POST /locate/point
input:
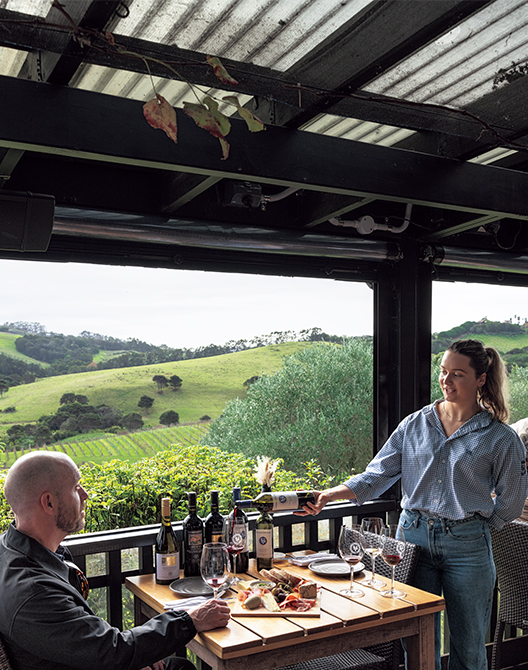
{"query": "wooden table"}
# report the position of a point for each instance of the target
(344, 624)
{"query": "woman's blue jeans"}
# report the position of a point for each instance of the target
(456, 561)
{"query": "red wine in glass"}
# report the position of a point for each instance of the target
(392, 552)
(351, 548)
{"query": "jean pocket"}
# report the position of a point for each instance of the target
(409, 519)
(467, 532)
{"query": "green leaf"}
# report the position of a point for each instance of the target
(254, 124)
(220, 71)
(209, 118)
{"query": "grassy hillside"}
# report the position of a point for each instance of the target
(208, 383)
(7, 347)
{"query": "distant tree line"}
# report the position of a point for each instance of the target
(73, 417)
(68, 354)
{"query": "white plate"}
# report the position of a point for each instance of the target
(278, 556)
(333, 567)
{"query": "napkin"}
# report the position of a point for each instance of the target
(186, 603)
(303, 561)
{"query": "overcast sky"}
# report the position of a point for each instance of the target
(189, 309)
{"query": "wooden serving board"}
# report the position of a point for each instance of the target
(238, 610)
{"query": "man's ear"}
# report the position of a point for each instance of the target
(46, 502)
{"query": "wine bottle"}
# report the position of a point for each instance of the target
(214, 523)
(238, 514)
(278, 501)
(193, 539)
(264, 537)
(167, 548)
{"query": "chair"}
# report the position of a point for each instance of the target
(4, 661)
(384, 656)
(510, 549)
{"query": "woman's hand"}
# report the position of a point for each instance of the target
(312, 509)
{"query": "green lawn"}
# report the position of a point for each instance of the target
(208, 383)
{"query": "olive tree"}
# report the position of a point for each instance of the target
(319, 405)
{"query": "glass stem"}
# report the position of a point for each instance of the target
(392, 585)
(373, 568)
(351, 577)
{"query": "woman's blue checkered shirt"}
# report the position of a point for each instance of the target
(452, 477)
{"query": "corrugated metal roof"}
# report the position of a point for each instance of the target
(456, 69)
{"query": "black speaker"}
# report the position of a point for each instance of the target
(26, 221)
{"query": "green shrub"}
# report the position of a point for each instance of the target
(319, 405)
(124, 494)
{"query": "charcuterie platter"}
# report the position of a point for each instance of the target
(278, 593)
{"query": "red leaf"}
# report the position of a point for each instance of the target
(220, 71)
(210, 119)
(160, 114)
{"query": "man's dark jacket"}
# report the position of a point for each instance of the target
(47, 625)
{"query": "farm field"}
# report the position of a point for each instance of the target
(127, 447)
(208, 383)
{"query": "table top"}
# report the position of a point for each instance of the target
(339, 614)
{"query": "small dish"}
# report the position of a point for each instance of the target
(279, 557)
(333, 567)
(190, 586)
(263, 583)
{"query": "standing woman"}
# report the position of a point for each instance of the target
(451, 456)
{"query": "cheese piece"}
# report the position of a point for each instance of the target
(308, 590)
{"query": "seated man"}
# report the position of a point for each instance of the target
(45, 622)
(521, 428)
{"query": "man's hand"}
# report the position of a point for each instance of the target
(158, 665)
(214, 613)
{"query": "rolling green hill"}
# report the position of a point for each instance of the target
(208, 383)
(7, 347)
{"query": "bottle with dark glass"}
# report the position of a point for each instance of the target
(264, 537)
(193, 539)
(238, 515)
(276, 501)
(167, 548)
(214, 522)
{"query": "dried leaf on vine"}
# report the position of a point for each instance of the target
(220, 71)
(254, 124)
(160, 114)
(209, 118)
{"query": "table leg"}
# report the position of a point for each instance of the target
(421, 647)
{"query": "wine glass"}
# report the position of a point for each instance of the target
(237, 536)
(214, 565)
(392, 552)
(371, 528)
(351, 547)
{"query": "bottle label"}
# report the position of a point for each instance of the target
(168, 566)
(239, 529)
(194, 543)
(285, 500)
(217, 537)
(264, 543)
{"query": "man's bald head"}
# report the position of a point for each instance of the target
(32, 475)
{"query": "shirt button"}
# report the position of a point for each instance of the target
(443, 460)
(435, 501)
(439, 481)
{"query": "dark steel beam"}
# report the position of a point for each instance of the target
(82, 124)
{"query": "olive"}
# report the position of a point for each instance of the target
(253, 602)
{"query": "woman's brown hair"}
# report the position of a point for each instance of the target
(493, 395)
